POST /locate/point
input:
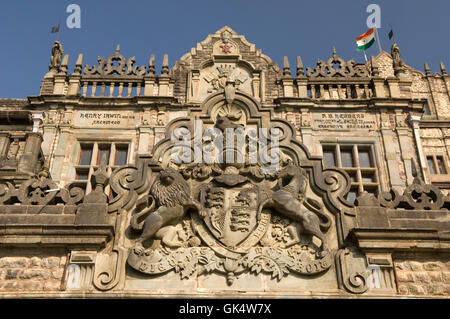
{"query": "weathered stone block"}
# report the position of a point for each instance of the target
(35, 274)
(435, 276)
(50, 262)
(57, 274)
(31, 285)
(35, 262)
(52, 285)
(14, 262)
(446, 277)
(403, 290)
(435, 289)
(432, 266)
(404, 276)
(413, 265)
(422, 277)
(416, 289)
(9, 285)
(12, 274)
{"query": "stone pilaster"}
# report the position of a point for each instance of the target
(30, 156)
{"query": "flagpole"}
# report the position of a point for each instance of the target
(378, 39)
(365, 56)
(393, 34)
(57, 33)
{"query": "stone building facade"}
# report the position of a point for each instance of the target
(101, 193)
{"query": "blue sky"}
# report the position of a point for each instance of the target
(306, 28)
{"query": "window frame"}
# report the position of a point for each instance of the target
(95, 160)
(356, 171)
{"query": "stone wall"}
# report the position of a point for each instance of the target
(423, 276)
(32, 272)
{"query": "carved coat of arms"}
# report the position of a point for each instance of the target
(228, 218)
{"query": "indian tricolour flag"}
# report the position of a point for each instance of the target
(365, 40)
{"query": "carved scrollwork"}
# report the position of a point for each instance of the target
(72, 196)
(353, 278)
(423, 196)
(329, 70)
(109, 67)
(6, 192)
(390, 199)
(37, 192)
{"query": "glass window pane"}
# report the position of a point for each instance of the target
(368, 177)
(431, 164)
(347, 158)
(86, 155)
(121, 156)
(103, 151)
(351, 197)
(329, 158)
(441, 166)
(365, 159)
(352, 176)
(82, 175)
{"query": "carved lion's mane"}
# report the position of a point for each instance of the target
(177, 193)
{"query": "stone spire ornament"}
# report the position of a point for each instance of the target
(78, 65)
(427, 69)
(151, 65)
(443, 70)
(286, 67)
(165, 65)
(300, 70)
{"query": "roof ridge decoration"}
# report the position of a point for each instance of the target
(107, 67)
(329, 70)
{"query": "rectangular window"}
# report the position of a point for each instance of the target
(90, 157)
(358, 161)
(436, 164)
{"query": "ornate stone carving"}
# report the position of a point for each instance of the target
(223, 74)
(344, 69)
(395, 53)
(230, 218)
(57, 53)
(109, 67)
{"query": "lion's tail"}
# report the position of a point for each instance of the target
(137, 221)
(316, 207)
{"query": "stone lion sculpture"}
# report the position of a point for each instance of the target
(289, 200)
(170, 193)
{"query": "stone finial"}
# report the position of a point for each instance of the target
(286, 67)
(375, 70)
(165, 65)
(99, 180)
(443, 70)
(118, 49)
(151, 65)
(334, 53)
(64, 65)
(300, 71)
(427, 69)
(78, 65)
